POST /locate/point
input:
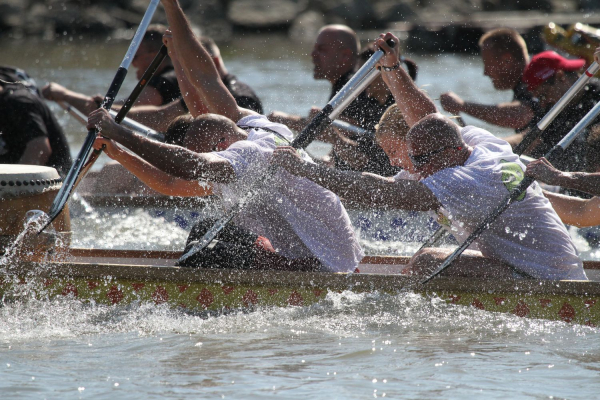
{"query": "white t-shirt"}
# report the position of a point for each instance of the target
(528, 235)
(299, 217)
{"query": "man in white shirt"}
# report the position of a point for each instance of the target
(463, 180)
(301, 219)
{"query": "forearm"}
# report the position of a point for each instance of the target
(157, 179)
(370, 189)
(175, 160)
(198, 65)
(81, 102)
(582, 181)
(574, 210)
(412, 101)
(191, 97)
(508, 115)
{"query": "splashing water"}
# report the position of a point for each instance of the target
(34, 221)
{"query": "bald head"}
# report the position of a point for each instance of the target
(335, 52)
(342, 36)
(435, 143)
(212, 132)
(434, 131)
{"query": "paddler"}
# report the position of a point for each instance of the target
(465, 173)
(505, 56)
(296, 225)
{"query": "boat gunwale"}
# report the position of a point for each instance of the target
(362, 282)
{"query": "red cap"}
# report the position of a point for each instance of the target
(544, 65)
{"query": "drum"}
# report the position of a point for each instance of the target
(24, 188)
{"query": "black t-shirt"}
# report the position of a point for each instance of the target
(574, 157)
(523, 95)
(23, 117)
(243, 94)
(366, 111)
(166, 84)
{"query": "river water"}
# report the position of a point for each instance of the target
(347, 346)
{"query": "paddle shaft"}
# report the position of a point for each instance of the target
(120, 116)
(535, 132)
(358, 83)
(566, 98)
(352, 128)
(554, 154)
(72, 177)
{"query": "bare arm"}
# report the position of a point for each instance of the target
(545, 172)
(174, 160)
(191, 97)
(37, 152)
(365, 188)
(157, 117)
(55, 92)
(199, 67)
(576, 211)
(412, 101)
(513, 115)
(152, 176)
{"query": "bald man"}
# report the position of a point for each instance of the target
(335, 55)
(465, 174)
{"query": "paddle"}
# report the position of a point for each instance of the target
(352, 128)
(554, 154)
(535, 132)
(120, 116)
(71, 178)
(359, 82)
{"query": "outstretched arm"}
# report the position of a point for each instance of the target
(545, 172)
(174, 160)
(55, 92)
(513, 115)
(365, 188)
(412, 101)
(152, 176)
(191, 96)
(576, 211)
(198, 65)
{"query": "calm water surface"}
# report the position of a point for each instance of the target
(347, 346)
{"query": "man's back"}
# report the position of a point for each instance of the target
(25, 117)
(300, 218)
(529, 234)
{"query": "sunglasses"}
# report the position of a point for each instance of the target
(423, 159)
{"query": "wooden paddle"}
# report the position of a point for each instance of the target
(534, 133)
(72, 177)
(554, 154)
(359, 82)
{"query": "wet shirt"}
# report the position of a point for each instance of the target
(166, 84)
(243, 94)
(299, 217)
(24, 117)
(529, 235)
(366, 112)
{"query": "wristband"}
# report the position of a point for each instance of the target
(392, 68)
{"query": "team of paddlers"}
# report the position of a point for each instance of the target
(218, 141)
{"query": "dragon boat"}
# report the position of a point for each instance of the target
(119, 277)
(47, 267)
